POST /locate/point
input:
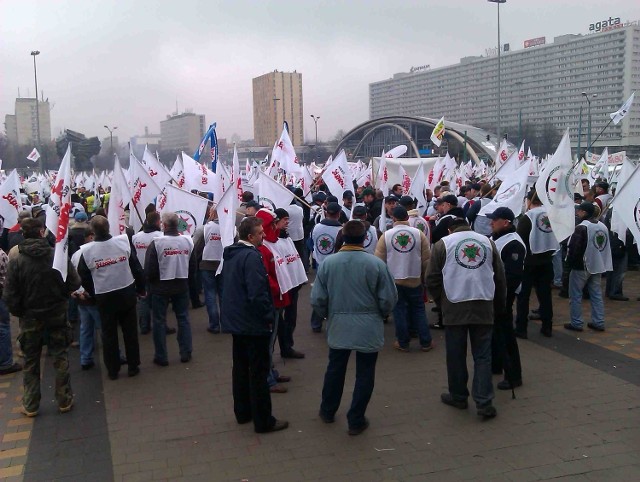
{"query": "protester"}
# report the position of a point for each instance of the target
(38, 296)
(505, 355)
(371, 236)
(468, 305)
(111, 273)
(374, 205)
(7, 365)
(390, 202)
(450, 211)
(168, 264)
(589, 255)
(406, 252)
(355, 292)
(250, 316)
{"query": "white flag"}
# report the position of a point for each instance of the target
(382, 178)
(155, 169)
(197, 176)
(34, 155)
(622, 111)
(58, 213)
(284, 153)
(618, 225)
(601, 168)
(396, 152)
(306, 181)
(406, 180)
(511, 193)
(10, 201)
(190, 208)
(143, 192)
(337, 176)
(626, 203)
(177, 173)
(503, 154)
(555, 190)
(509, 168)
(366, 176)
(417, 187)
(272, 194)
(236, 178)
(521, 157)
(226, 210)
(438, 132)
(118, 199)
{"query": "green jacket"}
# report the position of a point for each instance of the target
(354, 291)
(33, 289)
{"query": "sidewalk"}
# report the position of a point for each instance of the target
(577, 416)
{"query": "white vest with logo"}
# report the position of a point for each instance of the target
(468, 269)
(212, 242)
(108, 262)
(289, 268)
(597, 256)
(502, 241)
(404, 250)
(605, 199)
(541, 238)
(421, 224)
(324, 241)
(141, 242)
(370, 240)
(173, 256)
(295, 229)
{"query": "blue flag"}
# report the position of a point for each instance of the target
(210, 136)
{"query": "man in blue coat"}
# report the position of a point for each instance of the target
(248, 313)
(355, 292)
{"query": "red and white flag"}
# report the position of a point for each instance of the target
(144, 190)
(502, 155)
(382, 176)
(226, 210)
(405, 180)
(155, 169)
(337, 176)
(272, 194)
(177, 173)
(521, 156)
(236, 179)
(197, 176)
(58, 213)
(10, 201)
(190, 208)
(284, 153)
(417, 187)
(34, 155)
(118, 199)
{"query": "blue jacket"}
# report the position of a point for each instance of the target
(354, 291)
(247, 307)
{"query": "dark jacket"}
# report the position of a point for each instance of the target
(247, 306)
(138, 286)
(374, 209)
(513, 254)
(577, 247)
(33, 289)
(524, 230)
(76, 237)
(169, 286)
(442, 228)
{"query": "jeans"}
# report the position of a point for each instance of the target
(334, 385)
(538, 277)
(409, 311)
(251, 397)
(144, 312)
(615, 278)
(288, 324)
(557, 268)
(89, 323)
(578, 279)
(457, 373)
(159, 305)
(6, 351)
(212, 285)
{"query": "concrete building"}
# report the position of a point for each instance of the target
(542, 81)
(22, 127)
(148, 139)
(277, 96)
(182, 132)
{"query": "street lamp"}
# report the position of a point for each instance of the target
(586, 96)
(315, 120)
(498, 126)
(111, 136)
(35, 75)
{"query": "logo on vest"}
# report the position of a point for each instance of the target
(543, 223)
(600, 240)
(509, 193)
(104, 262)
(265, 200)
(186, 222)
(368, 239)
(553, 184)
(636, 214)
(403, 241)
(325, 244)
(470, 254)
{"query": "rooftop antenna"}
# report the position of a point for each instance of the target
(18, 92)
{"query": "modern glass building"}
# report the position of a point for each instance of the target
(543, 83)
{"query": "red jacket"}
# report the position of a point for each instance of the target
(271, 235)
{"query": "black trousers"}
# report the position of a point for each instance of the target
(287, 324)
(118, 310)
(251, 396)
(505, 354)
(539, 278)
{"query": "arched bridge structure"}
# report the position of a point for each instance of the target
(370, 138)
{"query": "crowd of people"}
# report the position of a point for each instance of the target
(376, 258)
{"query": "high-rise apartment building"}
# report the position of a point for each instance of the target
(182, 132)
(277, 96)
(22, 127)
(543, 84)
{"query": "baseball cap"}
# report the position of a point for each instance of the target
(400, 213)
(347, 194)
(391, 199)
(359, 211)
(80, 216)
(319, 196)
(502, 213)
(254, 204)
(333, 208)
(405, 201)
(450, 198)
(587, 207)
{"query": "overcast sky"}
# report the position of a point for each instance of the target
(124, 63)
